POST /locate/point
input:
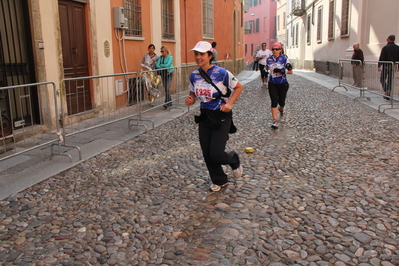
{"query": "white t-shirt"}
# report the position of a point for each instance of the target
(215, 54)
(263, 55)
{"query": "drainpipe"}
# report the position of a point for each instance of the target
(185, 29)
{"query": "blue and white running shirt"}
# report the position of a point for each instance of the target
(279, 62)
(206, 93)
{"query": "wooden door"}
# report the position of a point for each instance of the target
(75, 56)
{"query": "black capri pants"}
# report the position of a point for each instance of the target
(213, 139)
(263, 72)
(278, 93)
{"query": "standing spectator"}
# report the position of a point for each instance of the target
(261, 56)
(214, 51)
(216, 115)
(357, 66)
(150, 58)
(390, 52)
(148, 64)
(255, 65)
(279, 66)
(166, 61)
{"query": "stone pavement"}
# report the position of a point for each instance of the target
(321, 190)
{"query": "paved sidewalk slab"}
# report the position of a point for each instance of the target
(376, 101)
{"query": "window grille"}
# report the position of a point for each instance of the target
(284, 20)
(319, 23)
(296, 4)
(345, 18)
(252, 3)
(168, 20)
(298, 7)
(207, 18)
(132, 13)
(331, 20)
(293, 36)
(308, 33)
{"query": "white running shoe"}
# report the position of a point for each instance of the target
(237, 173)
(215, 187)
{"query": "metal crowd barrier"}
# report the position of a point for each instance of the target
(389, 80)
(152, 88)
(351, 75)
(185, 72)
(153, 93)
(374, 77)
(114, 97)
(16, 136)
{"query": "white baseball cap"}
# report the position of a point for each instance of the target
(202, 47)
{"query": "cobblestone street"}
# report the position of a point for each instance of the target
(321, 190)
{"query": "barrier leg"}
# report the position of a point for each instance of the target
(64, 154)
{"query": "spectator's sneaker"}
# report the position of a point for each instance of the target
(281, 114)
(275, 124)
(215, 187)
(237, 173)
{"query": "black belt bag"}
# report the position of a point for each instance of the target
(215, 116)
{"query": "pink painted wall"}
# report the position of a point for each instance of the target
(266, 13)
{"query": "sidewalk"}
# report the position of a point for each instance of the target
(22, 171)
(331, 83)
